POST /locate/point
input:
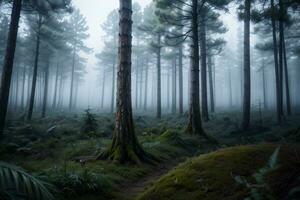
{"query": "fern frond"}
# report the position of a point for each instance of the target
(15, 182)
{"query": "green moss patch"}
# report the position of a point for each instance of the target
(211, 176)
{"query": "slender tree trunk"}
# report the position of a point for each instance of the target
(264, 85)
(46, 86)
(275, 49)
(168, 89)
(55, 86)
(146, 84)
(136, 82)
(141, 89)
(180, 74)
(23, 87)
(203, 46)
(72, 79)
(16, 104)
(103, 89)
(230, 87)
(194, 124)
(247, 70)
(174, 88)
(158, 112)
(112, 106)
(287, 84)
(8, 62)
(124, 147)
(211, 86)
(35, 70)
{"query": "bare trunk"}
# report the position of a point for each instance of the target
(247, 70)
(180, 74)
(103, 89)
(194, 124)
(146, 84)
(174, 83)
(35, 69)
(23, 87)
(112, 106)
(8, 62)
(158, 112)
(204, 103)
(275, 49)
(211, 86)
(287, 84)
(46, 84)
(72, 79)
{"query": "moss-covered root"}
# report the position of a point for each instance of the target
(127, 154)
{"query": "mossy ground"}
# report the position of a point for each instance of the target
(211, 176)
(52, 147)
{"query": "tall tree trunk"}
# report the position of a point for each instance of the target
(194, 124)
(203, 46)
(112, 106)
(9, 62)
(55, 86)
(287, 84)
(23, 87)
(146, 84)
(46, 84)
(264, 85)
(168, 89)
(180, 74)
(174, 83)
(158, 111)
(72, 79)
(230, 87)
(136, 82)
(35, 70)
(211, 85)
(247, 70)
(16, 104)
(275, 49)
(124, 147)
(141, 88)
(103, 89)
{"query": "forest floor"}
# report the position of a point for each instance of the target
(50, 148)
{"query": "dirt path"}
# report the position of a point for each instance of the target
(132, 190)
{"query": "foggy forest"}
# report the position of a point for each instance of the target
(149, 99)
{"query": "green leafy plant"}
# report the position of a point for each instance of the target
(90, 123)
(261, 189)
(16, 184)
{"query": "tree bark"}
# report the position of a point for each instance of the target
(194, 124)
(180, 74)
(112, 106)
(72, 79)
(23, 87)
(247, 70)
(103, 89)
(9, 62)
(46, 84)
(277, 76)
(146, 84)
(124, 147)
(203, 46)
(55, 86)
(158, 109)
(35, 69)
(287, 83)
(211, 85)
(174, 84)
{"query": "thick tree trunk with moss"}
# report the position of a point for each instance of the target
(124, 147)
(247, 70)
(9, 62)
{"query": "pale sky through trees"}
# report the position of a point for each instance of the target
(96, 12)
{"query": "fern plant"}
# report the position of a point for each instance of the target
(16, 184)
(261, 189)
